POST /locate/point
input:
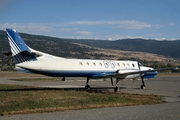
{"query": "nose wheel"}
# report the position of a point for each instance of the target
(87, 87)
(143, 87)
(116, 89)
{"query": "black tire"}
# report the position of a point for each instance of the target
(87, 87)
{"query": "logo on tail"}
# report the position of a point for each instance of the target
(20, 51)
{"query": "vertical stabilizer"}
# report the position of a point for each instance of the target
(20, 51)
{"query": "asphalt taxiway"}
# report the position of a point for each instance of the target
(166, 85)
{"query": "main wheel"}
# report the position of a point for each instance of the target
(87, 87)
(116, 89)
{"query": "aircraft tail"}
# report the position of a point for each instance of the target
(20, 51)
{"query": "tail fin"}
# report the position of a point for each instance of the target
(20, 51)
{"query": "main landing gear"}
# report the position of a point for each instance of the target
(116, 89)
(87, 87)
(63, 79)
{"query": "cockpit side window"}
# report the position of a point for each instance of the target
(133, 65)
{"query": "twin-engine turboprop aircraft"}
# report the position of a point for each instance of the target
(29, 60)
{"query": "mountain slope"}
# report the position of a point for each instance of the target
(166, 48)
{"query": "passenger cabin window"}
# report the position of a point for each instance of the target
(94, 64)
(100, 64)
(87, 63)
(118, 64)
(81, 63)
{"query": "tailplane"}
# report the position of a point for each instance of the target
(20, 51)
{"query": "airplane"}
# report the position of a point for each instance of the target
(29, 60)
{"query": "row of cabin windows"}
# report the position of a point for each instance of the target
(94, 64)
(113, 64)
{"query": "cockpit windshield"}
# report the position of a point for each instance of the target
(140, 64)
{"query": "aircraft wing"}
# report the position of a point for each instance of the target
(124, 73)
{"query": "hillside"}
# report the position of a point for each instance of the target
(165, 48)
(96, 49)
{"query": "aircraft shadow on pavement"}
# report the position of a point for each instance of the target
(93, 89)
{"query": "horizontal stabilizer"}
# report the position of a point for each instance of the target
(7, 53)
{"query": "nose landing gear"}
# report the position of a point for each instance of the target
(143, 83)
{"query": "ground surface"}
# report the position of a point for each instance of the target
(165, 85)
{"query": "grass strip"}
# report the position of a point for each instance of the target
(15, 99)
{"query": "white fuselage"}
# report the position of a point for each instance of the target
(80, 67)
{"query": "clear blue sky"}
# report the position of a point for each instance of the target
(96, 19)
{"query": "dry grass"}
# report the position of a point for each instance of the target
(22, 100)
